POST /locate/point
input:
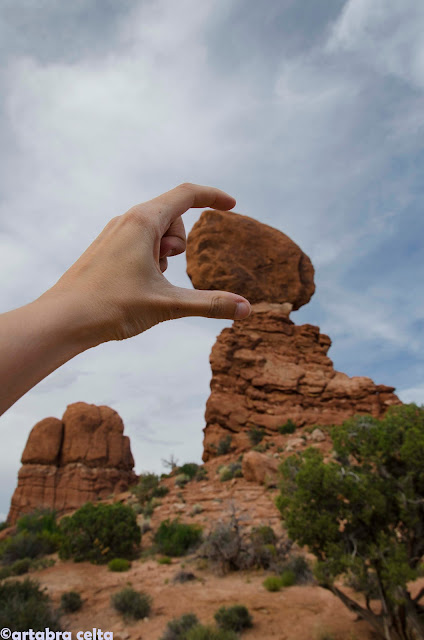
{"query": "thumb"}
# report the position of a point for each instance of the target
(209, 304)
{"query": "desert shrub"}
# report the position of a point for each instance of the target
(224, 446)
(264, 534)
(23, 606)
(4, 572)
(149, 487)
(178, 627)
(42, 563)
(256, 435)
(230, 471)
(19, 567)
(3, 525)
(99, 533)
(181, 479)
(27, 544)
(189, 469)
(201, 632)
(119, 564)
(224, 547)
(174, 538)
(235, 618)
(197, 508)
(287, 427)
(165, 560)
(299, 567)
(132, 604)
(70, 602)
(273, 583)
(38, 521)
(288, 579)
(184, 576)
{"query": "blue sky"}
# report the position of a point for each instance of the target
(310, 114)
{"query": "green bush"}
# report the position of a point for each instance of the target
(3, 525)
(99, 533)
(149, 487)
(224, 446)
(264, 534)
(178, 627)
(70, 602)
(230, 471)
(19, 567)
(119, 564)
(175, 538)
(132, 604)
(165, 560)
(288, 578)
(299, 567)
(181, 480)
(273, 583)
(235, 618)
(189, 469)
(23, 606)
(287, 427)
(27, 544)
(256, 435)
(201, 632)
(38, 521)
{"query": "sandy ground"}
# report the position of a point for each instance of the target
(294, 613)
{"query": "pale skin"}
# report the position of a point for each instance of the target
(114, 291)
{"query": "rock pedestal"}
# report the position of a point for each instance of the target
(267, 370)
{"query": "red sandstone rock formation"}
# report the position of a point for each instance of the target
(265, 370)
(231, 252)
(68, 462)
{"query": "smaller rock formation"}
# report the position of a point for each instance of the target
(260, 468)
(68, 462)
(230, 252)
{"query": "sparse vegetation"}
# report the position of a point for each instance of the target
(119, 564)
(178, 627)
(287, 427)
(229, 547)
(174, 538)
(23, 606)
(273, 583)
(99, 533)
(165, 560)
(70, 602)
(148, 490)
(230, 471)
(235, 618)
(133, 605)
(184, 576)
(224, 446)
(256, 435)
(201, 632)
(361, 514)
(181, 479)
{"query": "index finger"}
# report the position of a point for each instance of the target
(172, 204)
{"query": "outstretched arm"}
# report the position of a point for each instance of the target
(114, 291)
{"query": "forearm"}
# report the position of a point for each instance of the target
(37, 339)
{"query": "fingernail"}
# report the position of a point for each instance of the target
(242, 310)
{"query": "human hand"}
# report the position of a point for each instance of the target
(118, 282)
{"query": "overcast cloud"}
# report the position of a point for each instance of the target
(310, 114)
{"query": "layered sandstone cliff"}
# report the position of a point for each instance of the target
(80, 458)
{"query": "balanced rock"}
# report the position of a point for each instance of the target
(267, 370)
(68, 462)
(230, 252)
